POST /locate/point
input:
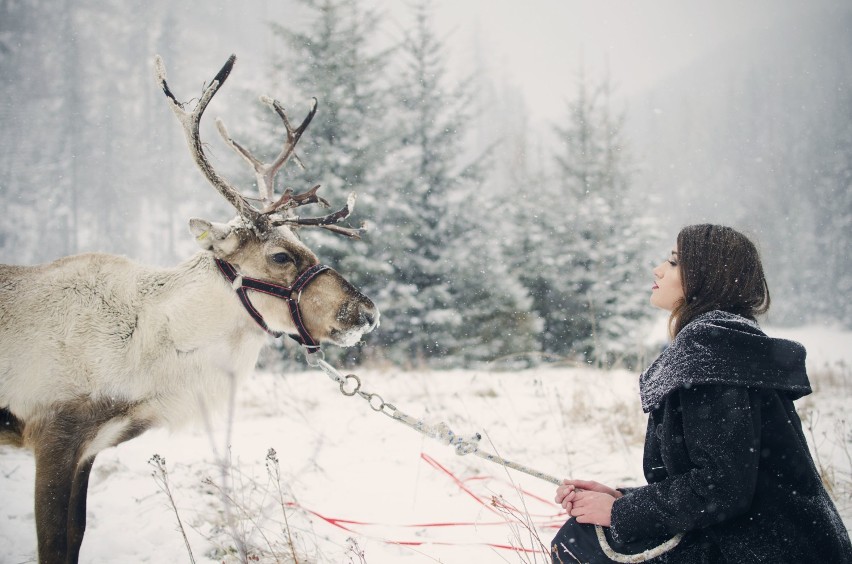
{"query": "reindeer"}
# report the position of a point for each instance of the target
(95, 349)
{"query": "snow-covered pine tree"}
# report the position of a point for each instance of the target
(547, 246)
(544, 262)
(448, 295)
(594, 296)
(332, 56)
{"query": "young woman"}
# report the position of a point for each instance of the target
(728, 469)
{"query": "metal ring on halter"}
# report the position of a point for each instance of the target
(381, 405)
(346, 380)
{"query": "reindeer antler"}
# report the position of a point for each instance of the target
(327, 222)
(190, 122)
(265, 173)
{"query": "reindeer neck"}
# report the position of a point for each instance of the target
(201, 303)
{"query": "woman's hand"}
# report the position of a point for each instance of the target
(565, 495)
(592, 507)
(595, 500)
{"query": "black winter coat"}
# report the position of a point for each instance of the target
(725, 456)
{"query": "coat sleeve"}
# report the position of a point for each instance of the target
(721, 434)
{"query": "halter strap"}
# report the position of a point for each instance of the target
(291, 294)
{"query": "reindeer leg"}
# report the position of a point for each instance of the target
(77, 509)
(65, 449)
(80, 485)
(54, 478)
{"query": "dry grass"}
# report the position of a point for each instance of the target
(524, 536)
(161, 477)
(835, 378)
(249, 519)
(830, 444)
(823, 415)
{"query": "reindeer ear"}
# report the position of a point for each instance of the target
(217, 237)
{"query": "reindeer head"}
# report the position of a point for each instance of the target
(261, 243)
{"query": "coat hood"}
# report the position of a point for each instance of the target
(722, 348)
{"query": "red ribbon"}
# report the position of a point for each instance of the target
(546, 521)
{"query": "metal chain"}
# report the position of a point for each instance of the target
(350, 385)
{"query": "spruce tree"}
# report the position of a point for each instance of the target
(448, 294)
(594, 297)
(332, 57)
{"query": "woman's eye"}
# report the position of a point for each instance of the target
(281, 258)
(673, 263)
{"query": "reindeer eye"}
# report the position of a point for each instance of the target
(281, 258)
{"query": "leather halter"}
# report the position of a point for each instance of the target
(291, 295)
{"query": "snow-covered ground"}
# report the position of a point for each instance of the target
(358, 487)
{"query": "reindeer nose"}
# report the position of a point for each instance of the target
(368, 315)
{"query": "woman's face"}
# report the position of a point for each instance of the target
(667, 290)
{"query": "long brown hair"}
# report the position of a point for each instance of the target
(720, 269)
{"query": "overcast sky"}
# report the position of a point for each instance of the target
(538, 44)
